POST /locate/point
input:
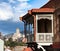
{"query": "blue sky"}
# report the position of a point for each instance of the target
(11, 10)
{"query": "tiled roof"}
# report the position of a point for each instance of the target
(49, 7)
(43, 10)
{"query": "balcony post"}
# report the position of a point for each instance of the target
(25, 27)
(34, 27)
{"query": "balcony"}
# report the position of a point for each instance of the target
(44, 37)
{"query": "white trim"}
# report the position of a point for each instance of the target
(52, 23)
(46, 16)
(50, 17)
(44, 44)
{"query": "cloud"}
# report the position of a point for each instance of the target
(25, 5)
(13, 1)
(20, 9)
(23, 0)
(13, 11)
(5, 11)
(22, 6)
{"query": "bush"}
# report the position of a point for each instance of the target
(13, 43)
(21, 44)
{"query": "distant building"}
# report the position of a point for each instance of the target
(17, 36)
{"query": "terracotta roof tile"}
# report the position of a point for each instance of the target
(21, 18)
(43, 10)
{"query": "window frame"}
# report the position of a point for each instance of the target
(44, 16)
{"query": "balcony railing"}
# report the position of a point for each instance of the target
(44, 37)
(30, 37)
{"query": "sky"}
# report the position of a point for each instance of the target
(11, 10)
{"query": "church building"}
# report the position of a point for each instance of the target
(45, 23)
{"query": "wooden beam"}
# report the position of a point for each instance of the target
(34, 27)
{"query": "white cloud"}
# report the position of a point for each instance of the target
(11, 1)
(22, 6)
(5, 11)
(14, 1)
(21, 9)
(23, 0)
(25, 5)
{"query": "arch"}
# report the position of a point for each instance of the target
(44, 17)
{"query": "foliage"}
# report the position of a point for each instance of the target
(21, 44)
(13, 43)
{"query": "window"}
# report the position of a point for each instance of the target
(44, 26)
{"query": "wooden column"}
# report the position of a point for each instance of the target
(29, 32)
(57, 28)
(25, 27)
(56, 40)
(34, 27)
(29, 28)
